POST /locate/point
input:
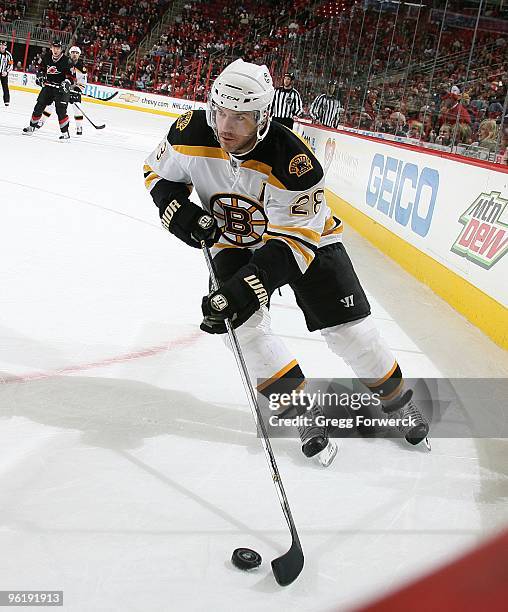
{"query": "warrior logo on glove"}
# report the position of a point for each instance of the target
(256, 285)
(205, 222)
(219, 302)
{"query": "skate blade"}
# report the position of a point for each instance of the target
(427, 444)
(327, 455)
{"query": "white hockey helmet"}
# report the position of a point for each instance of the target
(243, 87)
(75, 50)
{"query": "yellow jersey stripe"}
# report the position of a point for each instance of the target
(329, 223)
(150, 179)
(305, 232)
(307, 254)
(275, 182)
(197, 151)
(221, 245)
(258, 166)
(218, 153)
(337, 230)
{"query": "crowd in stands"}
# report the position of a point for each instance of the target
(56, 17)
(10, 10)
(384, 63)
(109, 29)
(392, 78)
(399, 72)
(452, 117)
(209, 29)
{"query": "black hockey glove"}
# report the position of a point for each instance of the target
(65, 86)
(40, 80)
(237, 300)
(190, 223)
(74, 96)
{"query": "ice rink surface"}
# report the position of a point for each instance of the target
(129, 464)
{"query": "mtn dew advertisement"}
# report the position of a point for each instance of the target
(484, 237)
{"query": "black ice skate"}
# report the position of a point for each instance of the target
(29, 130)
(79, 131)
(314, 437)
(404, 408)
(64, 136)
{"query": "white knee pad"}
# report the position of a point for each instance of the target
(361, 346)
(265, 354)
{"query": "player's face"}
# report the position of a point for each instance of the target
(74, 56)
(56, 51)
(237, 131)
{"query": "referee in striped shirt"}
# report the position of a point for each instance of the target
(287, 102)
(5, 67)
(325, 109)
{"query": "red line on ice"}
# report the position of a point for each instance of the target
(177, 343)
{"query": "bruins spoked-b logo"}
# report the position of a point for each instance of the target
(183, 121)
(300, 165)
(241, 219)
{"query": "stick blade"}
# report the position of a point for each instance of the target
(287, 568)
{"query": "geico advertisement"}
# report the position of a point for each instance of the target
(402, 191)
(399, 189)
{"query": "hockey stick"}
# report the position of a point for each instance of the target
(287, 567)
(97, 127)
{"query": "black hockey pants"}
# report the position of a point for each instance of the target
(47, 96)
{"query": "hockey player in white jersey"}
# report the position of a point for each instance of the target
(80, 74)
(267, 223)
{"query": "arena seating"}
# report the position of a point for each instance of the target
(399, 72)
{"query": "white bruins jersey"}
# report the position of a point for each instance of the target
(80, 74)
(275, 192)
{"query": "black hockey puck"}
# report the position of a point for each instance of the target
(245, 558)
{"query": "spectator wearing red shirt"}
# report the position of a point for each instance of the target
(451, 107)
